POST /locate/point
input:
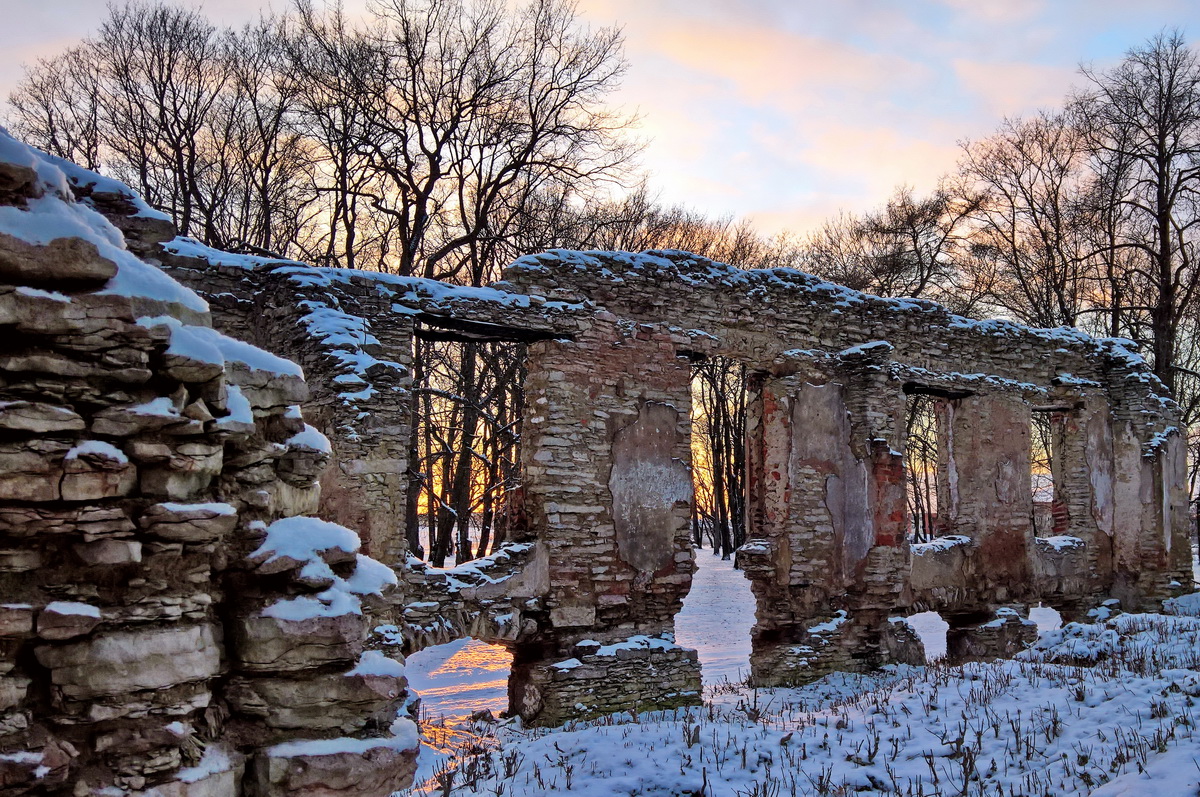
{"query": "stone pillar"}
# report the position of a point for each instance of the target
(827, 558)
(607, 430)
(144, 649)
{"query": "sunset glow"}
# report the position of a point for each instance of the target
(786, 112)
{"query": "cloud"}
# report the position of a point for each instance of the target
(778, 66)
(1006, 89)
(997, 12)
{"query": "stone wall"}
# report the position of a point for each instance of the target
(172, 624)
(607, 453)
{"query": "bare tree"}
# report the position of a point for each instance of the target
(910, 247)
(1032, 220)
(1143, 134)
(57, 106)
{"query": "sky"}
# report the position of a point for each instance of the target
(789, 111)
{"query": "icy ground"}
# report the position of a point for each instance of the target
(1108, 709)
(716, 619)
(466, 676)
(460, 678)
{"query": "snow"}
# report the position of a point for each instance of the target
(240, 411)
(22, 758)
(330, 603)
(372, 662)
(210, 346)
(41, 294)
(211, 506)
(97, 183)
(1144, 643)
(183, 246)
(253, 357)
(310, 438)
(459, 678)
(1047, 619)
(1060, 542)
(139, 280)
(1028, 727)
(403, 737)
(162, 407)
(829, 626)
(303, 538)
(873, 347)
(1037, 725)
(635, 642)
(57, 215)
(1003, 615)
(195, 344)
(940, 544)
(13, 151)
(214, 761)
(73, 608)
(1184, 605)
(931, 629)
(716, 619)
(98, 448)
(347, 336)
(416, 291)
(370, 577)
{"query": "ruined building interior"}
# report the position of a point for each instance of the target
(203, 560)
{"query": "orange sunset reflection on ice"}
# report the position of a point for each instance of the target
(462, 677)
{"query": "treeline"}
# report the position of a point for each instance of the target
(434, 138)
(444, 138)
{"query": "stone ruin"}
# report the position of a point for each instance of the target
(174, 622)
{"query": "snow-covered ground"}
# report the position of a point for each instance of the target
(460, 678)
(1122, 726)
(716, 619)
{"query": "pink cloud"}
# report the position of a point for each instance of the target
(773, 65)
(1012, 88)
(997, 12)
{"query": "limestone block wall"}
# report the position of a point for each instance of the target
(636, 674)
(827, 519)
(496, 599)
(608, 489)
(352, 331)
(606, 433)
(607, 464)
(830, 371)
(171, 623)
(989, 494)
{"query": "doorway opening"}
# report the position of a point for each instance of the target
(465, 447)
(460, 678)
(719, 455)
(718, 612)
